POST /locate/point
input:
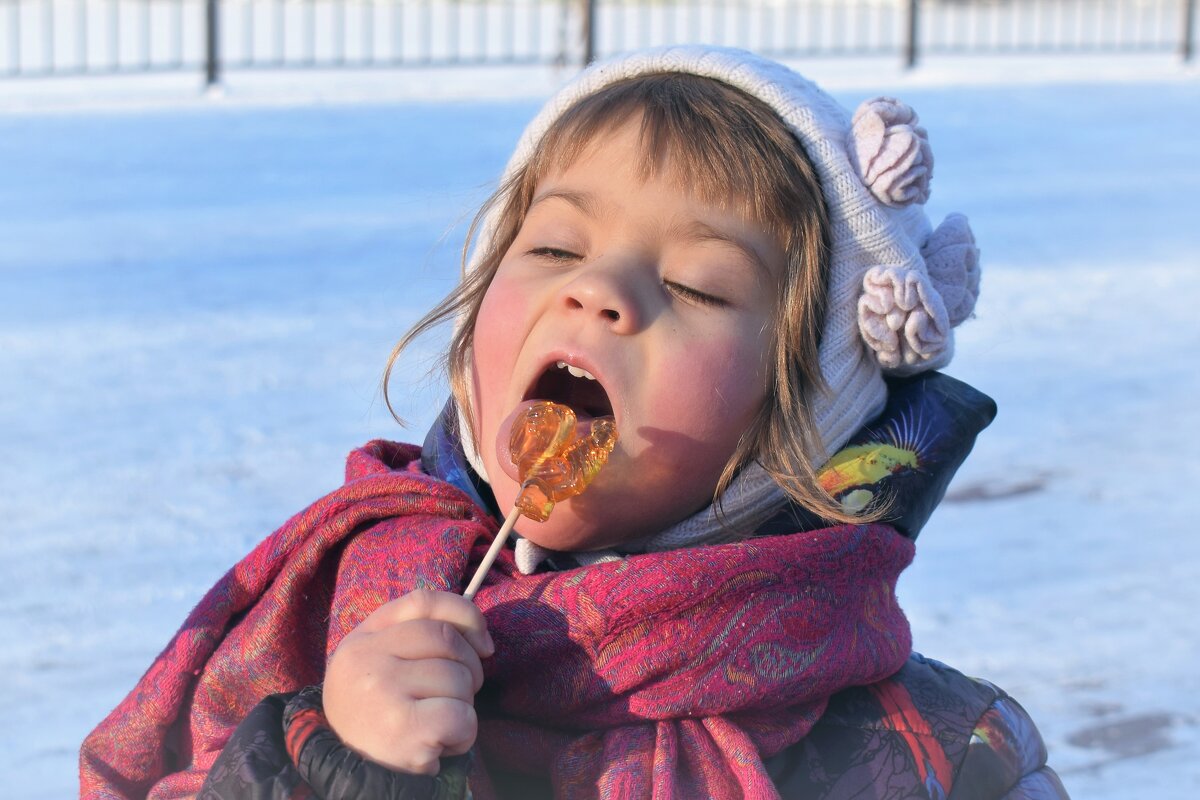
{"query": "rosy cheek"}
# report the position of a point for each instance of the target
(741, 384)
(735, 371)
(503, 306)
(495, 346)
(712, 392)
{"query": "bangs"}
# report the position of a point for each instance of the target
(729, 150)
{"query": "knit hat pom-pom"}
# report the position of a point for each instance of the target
(902, 318)
(952, 260)
(891, 152)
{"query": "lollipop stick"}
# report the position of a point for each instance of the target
(493, 551)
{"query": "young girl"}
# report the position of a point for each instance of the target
(703, 245)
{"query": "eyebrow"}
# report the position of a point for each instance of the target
(697, 231)
(586, 202)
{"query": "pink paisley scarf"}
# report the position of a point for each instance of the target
(666, 675)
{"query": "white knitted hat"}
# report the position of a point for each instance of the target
(896, 287)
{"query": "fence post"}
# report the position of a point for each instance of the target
(589, 31)
(1189, 22)
(910, 46)
(212, 54)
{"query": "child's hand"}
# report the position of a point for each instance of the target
(400, 687)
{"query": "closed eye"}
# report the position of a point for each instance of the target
(554, 254)
(694, 296)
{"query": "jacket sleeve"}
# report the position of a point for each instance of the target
(1006, 758)
(285, 750)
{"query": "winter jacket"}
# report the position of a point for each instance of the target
(927, 733)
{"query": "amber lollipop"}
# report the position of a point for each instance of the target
(553, 462)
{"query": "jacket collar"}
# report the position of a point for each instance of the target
(905, 457)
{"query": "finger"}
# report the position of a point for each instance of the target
(436, 677)
(421, 761)
(447, 724)
(422, 639)
(425, 604)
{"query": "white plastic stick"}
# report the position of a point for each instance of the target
(493, 551)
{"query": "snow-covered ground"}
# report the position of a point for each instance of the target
(197, 297)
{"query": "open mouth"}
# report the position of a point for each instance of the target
(573, 387)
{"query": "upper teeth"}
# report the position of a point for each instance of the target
(576, 371)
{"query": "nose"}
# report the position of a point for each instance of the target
(610, 293)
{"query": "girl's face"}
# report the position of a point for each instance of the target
(661, 307)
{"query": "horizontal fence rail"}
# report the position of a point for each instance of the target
(846, 27)
(39, 37)
(55, 37)
(1046, 26)
(882, 27)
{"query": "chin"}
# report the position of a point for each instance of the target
(564, 533)
(569, 532)
(574, 525)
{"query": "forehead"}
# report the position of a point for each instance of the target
(651, 149)
(607, 180)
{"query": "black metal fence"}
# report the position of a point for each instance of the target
(55, 37)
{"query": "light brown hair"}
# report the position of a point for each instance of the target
(734, 152)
